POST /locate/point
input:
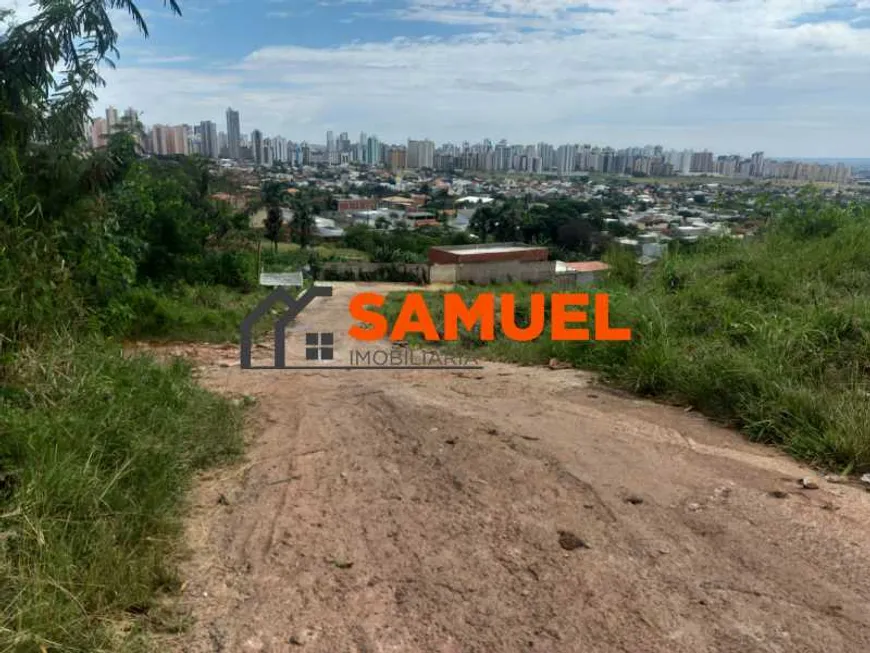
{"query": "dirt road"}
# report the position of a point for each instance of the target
(509, 509)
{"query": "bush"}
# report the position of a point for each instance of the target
(195, 313)
(233, 269)
(770, 334)
(96, 455)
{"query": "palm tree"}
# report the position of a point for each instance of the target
(50, 69)
(273, 198)
(303, 220)
(272, 225)
(273, 193)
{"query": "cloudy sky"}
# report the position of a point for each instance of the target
(789, 77)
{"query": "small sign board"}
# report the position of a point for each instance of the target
(290, 279)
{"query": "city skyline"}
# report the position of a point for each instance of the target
(782, 76)
(484, 155)
(332, 138)
(321, 140)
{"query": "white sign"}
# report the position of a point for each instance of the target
(281, 279)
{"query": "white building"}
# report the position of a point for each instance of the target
(566, 157)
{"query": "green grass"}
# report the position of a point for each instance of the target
(771, 335)
(325, 252)
(191, 313)
(96, 454)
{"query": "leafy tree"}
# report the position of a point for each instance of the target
(509, 218)
(577, 235)
(54, 221)
(483, 222)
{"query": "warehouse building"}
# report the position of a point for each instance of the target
(490, 263)
(487, 253)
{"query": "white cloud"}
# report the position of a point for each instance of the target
(22, 10)
(148, 60)
(731, 75)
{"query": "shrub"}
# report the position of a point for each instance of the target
(771, 334)
(96, 455)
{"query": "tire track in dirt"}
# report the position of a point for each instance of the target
(421, 511)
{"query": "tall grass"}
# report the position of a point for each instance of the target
(96, 453)
(191, 313)
(771, 334)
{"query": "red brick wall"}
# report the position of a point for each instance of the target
(362, 204)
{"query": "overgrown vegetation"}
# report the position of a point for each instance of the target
(572, 229)
(401, 245)
(97, 448)
(190, 313)
(97, 451)
(771, 334)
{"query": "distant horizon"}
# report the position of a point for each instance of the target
(825, 159)
(738, 76)
(353, 137)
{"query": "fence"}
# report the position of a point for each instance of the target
(566, 280)
(494, 272)
(449, 273)
(360, 271)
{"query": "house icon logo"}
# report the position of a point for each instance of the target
(318, 345)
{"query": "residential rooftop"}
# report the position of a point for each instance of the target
(486, 248)
(587, 266)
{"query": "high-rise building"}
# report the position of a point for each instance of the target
(131, 116)
(99, 132)
(566, 159)
(373, 151)
(757, 164)
(160, 139)
(330, 142)
(268, 154)
(131, 121)
(685, 166)
(279, 145)
(421, 154)
(195, 141)
(298, 154)
(257, 146)
(363, 139)
(209, 139)
(111, 119)
(397, 158)
(547, 154)
(168, 139)
(703, 162)
(234, 133)
(180, 139)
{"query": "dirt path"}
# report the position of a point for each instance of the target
(421, 512)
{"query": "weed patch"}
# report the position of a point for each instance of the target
(771, 334)
(97, 451)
